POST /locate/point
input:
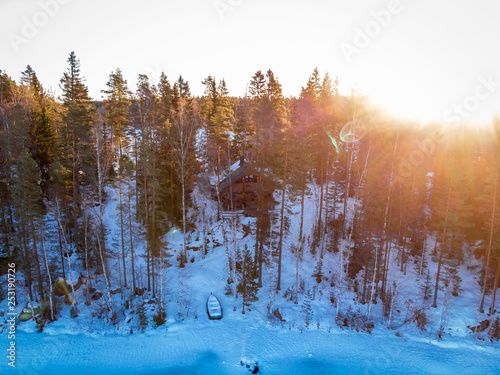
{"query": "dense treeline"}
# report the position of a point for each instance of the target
(386, 187)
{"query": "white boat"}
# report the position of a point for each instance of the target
(214, 308)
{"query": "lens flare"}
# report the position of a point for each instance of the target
(334, 142)
(353, 131)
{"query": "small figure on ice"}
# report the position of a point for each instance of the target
(256, 369)
(253, 367)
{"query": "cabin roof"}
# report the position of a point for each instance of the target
(234, 176)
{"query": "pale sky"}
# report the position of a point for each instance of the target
(423, 59)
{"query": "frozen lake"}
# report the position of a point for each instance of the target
(216, 347)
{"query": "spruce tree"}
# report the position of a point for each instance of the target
(307, 308)
(117, 106)
(426, 287)
(318, 271)
(43, 147)
(218, 115)
(247, 285)
(77, 118)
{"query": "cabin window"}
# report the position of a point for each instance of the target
(250, 178)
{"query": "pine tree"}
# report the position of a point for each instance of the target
(117, 106)
(160, 317)
(307, 308)
(243, 129)
(143, 318)
(182, 144)
(427, 289)
(456, 217)
(7, 108)
(143, 118)
(41, 128)
(446, 212)
(314, 114)
(488, 254)
(218, 114)
(318, 271)
(247, 285)
(494, 329)
(102, 159)
(77, 117)
(271, 118)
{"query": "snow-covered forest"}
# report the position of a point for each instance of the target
(120, 215)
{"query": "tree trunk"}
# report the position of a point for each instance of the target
(372, 293)
(486, 268)
(270, 263)
(299, 245)
(172, 195)
(325, 224)
(131, 241)
(182, 303)
(235, 243)
(121, 232)
(260, 215)
(365, 279)
(37, 261)
(385, 270)
(218, 183)
(88, 282)
(48, 273)
(387, 216)
(75, 188)
(105, 273)
(441, 250)
(5, 228)
(321, 183)
(403, 254)
(257, 247)
(301, 226)
(346, 190)
(27, 255)
(60, 239)
(148, 247)
(280, 246)
(494, 295)
(154, 242)
(204, 225)
(244, 284)
(136, 177)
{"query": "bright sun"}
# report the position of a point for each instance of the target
(416, 98)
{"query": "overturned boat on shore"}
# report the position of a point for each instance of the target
(214, 308)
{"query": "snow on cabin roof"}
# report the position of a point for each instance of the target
(234, 175)
(236, 165)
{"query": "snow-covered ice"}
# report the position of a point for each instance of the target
(217, 347)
